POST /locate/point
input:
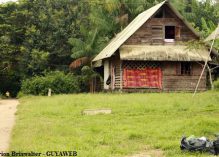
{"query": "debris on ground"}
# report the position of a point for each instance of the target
(96, 111)
(202, 144)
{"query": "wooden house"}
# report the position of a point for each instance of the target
(151, 54)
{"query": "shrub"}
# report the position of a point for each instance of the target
(20, 94)
(216, 84)
(87, 74)
(59, 82)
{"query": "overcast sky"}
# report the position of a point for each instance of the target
(2, 1)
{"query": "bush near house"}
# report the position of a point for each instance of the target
(216, 84)
(57, 81)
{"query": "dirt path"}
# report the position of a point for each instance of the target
(7, 119)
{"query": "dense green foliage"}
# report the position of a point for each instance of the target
(46, 35)
(216, 84)
(57, 81)
(137, 121)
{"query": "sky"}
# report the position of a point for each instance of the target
(2, 1)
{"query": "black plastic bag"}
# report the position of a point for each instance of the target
(192, 145)
(198, 144)
(216, 146)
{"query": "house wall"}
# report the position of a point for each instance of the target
(171, 80)
(175, 82)
(153, 31)
(116, 64)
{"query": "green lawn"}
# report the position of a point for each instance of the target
(157, 120)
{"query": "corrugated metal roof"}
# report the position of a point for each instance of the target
(120, 38)
(162, 53)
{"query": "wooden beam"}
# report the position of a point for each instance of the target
(121, 75)
(106, 73)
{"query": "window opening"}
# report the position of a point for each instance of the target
(186, 68)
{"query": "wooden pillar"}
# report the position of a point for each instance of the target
(106, 73)
(113, 75)
(121, 75)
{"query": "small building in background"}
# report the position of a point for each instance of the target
(151, 54)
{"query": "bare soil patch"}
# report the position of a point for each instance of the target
(7, 119)
(96, 111)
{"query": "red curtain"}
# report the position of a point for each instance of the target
(144, 78)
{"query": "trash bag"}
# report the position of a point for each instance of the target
(216, 146)
(197, 144)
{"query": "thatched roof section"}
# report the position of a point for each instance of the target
(120, 38)
(162, 53)
(79, 62)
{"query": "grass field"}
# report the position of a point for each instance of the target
(138, 120)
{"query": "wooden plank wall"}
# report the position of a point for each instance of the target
(116, 62)
(148, 34)
(171, 81)
(174, 82)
